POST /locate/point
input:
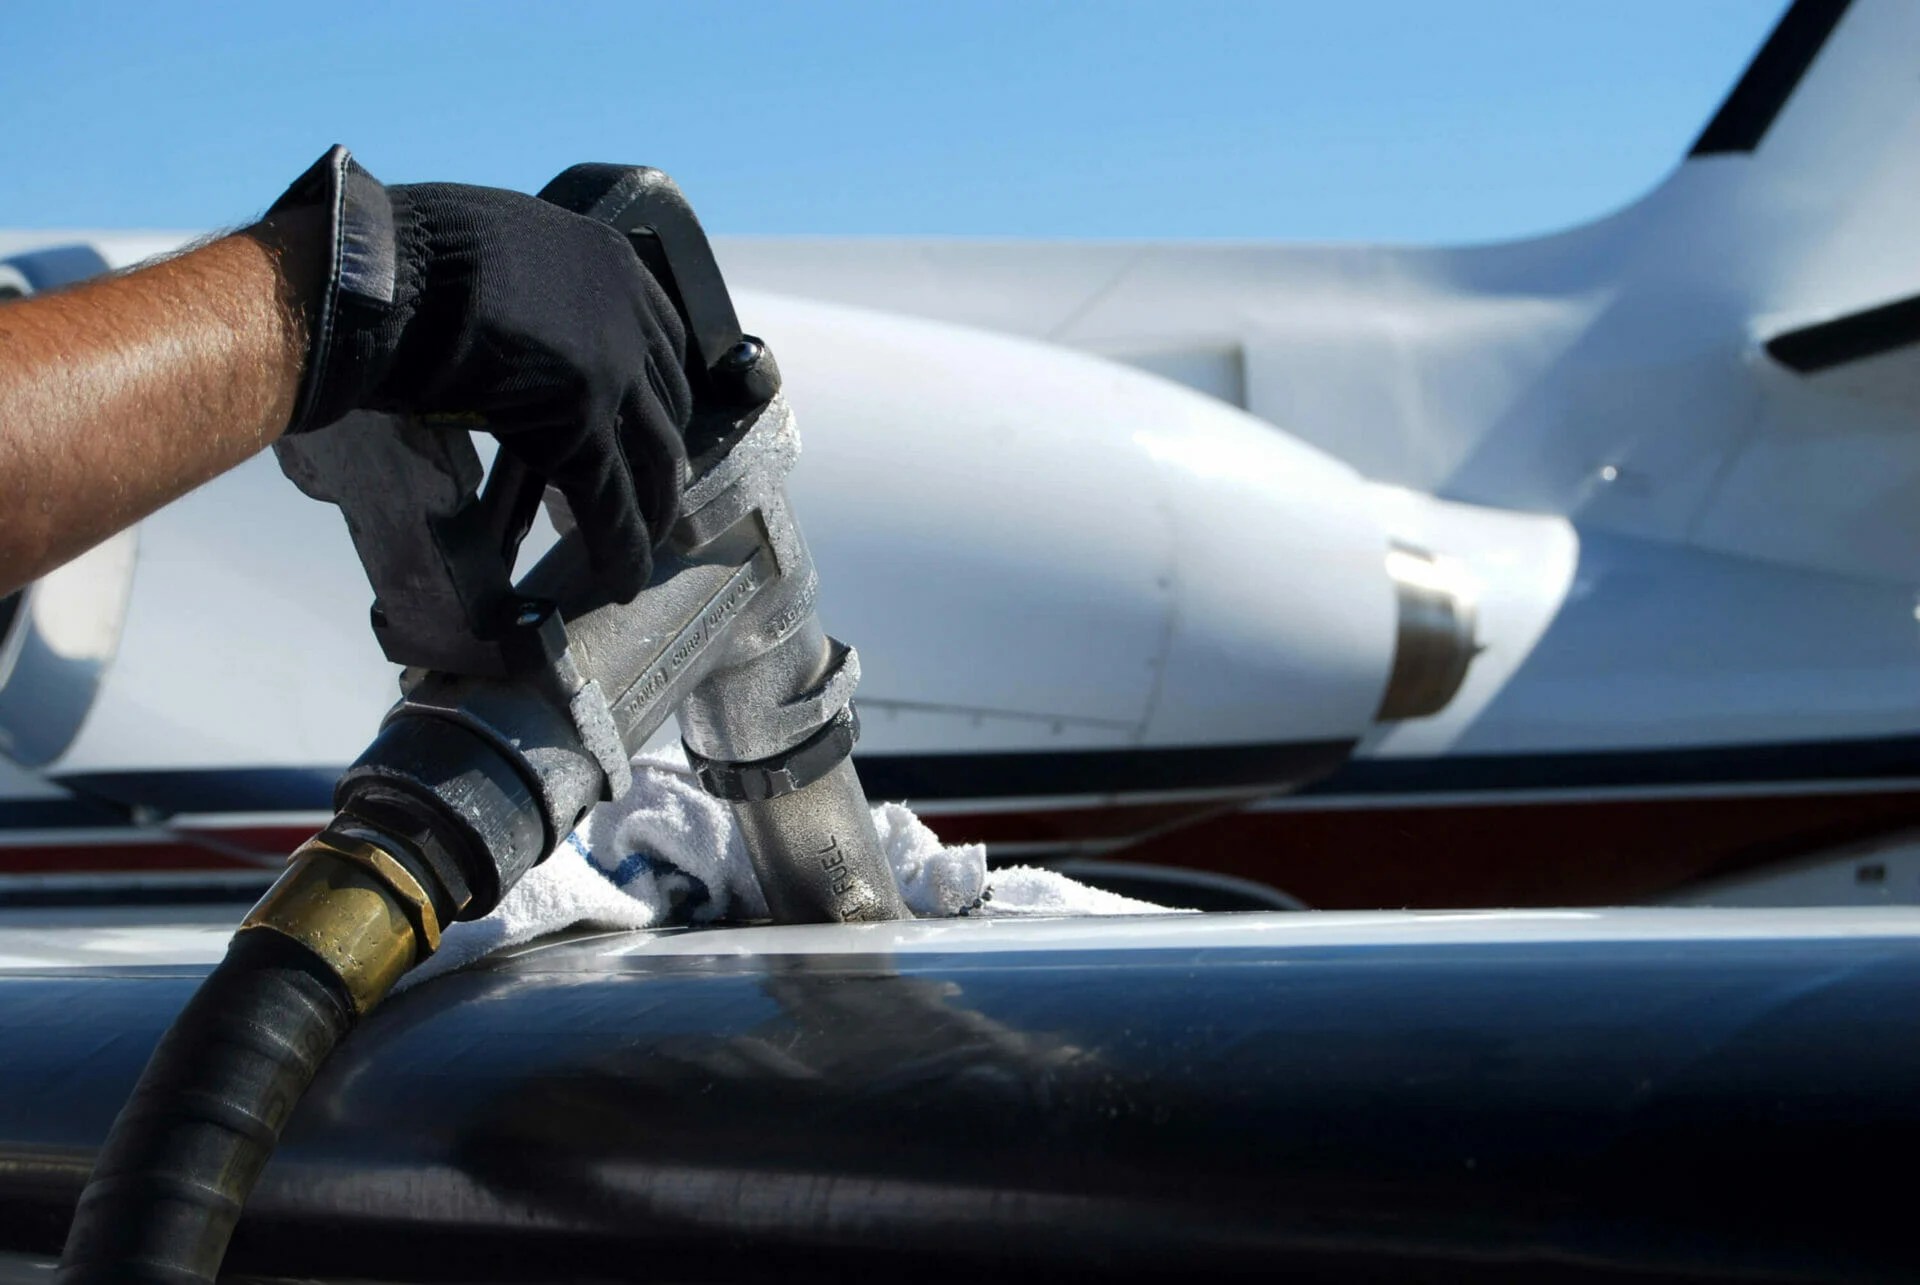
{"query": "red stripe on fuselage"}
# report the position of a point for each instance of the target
(1056, 825)
(1515, 853)
(267, 840)
(115, 858)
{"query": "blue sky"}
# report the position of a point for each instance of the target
(1405, 120)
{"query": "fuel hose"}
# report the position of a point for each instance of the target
(330, 938)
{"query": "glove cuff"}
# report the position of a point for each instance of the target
(360, 272)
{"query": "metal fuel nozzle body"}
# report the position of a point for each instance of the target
(523, 703)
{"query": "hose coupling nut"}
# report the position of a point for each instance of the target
(355, 906)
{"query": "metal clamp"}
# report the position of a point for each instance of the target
(787, 773)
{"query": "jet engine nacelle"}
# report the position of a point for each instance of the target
(1006, 526)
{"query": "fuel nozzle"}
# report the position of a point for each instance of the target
(522, 704)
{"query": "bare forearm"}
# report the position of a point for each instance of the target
(125, 393)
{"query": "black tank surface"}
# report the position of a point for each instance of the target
(1683, 1095)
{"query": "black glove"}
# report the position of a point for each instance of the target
(539, 324)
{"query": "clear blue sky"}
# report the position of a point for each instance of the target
(1410, 120)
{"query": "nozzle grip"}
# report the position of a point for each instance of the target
(649, 208)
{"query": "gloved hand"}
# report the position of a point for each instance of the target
(500, 309)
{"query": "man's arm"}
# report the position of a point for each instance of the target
(433, 299)
(122, 394)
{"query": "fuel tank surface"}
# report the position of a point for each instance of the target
(1594, 1097)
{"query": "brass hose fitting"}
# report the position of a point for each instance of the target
(357, 908)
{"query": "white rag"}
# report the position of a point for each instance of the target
(669, 853)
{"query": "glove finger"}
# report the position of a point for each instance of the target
(652, 442)
(667, 351)
(594, 477)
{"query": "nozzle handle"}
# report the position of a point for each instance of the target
(649, 208)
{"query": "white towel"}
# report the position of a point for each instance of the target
(669, 853)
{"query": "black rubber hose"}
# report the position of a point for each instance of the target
(185, 1151)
